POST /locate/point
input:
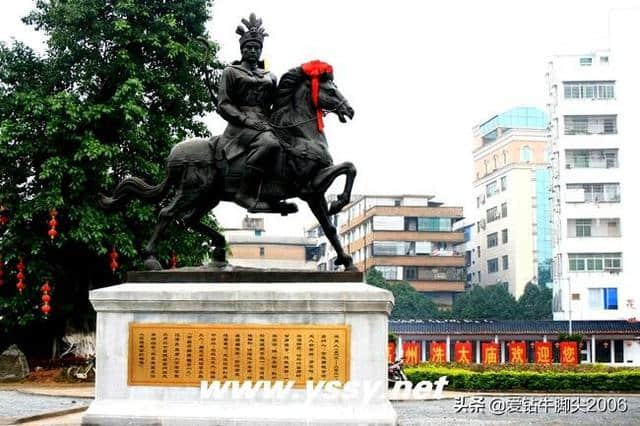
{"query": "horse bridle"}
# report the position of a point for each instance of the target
(324, 113)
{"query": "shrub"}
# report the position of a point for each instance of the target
(548, 379)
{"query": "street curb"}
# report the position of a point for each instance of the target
(20, 420)
(61, 395)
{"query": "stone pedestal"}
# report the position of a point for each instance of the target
(226, 298)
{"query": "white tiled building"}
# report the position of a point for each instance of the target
(594, 107)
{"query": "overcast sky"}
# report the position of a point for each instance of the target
(419, 74)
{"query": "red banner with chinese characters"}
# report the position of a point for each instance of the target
(391, 352)
(462, 352)
(543, 353)
(568, 352)
(517, 352)
(438, 352)
(412, 352)
(490, 353)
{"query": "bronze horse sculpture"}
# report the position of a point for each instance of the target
(201, 176)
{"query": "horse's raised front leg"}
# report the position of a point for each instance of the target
(325, 178)
(343, 199)
(318, 207)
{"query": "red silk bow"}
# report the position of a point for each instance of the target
(314, 70)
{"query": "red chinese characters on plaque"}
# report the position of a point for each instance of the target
(462, 352)
(438, 352)
(517, 352)
(411, 352)
(543, 353)
(568, 352)
(490, 353)
(391, 352)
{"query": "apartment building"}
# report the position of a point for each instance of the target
(252, 247)
(512, 238)
(467, 248)
(407, 237)
(593, 105)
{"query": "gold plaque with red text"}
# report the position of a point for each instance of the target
(186, 354)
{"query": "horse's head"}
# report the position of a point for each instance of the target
(325, 95)
(331, 100)
(310, 90)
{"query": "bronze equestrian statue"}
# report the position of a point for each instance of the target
(274, 148)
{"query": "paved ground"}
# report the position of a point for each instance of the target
(443, 412)
(411, 413)
(17, 404)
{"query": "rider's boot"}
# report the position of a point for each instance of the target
(247, 193)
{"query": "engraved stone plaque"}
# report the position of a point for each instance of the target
(186, 354)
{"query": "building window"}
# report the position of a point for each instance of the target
(591, 158)
(505, 236)
(590, 124)
(593, 192)
(492, 189)
(388, 272)
(595, 262)
(492, 214)
(478, 202)
(525, 154)
(504, 210)
(505, 262)
(394, 248)
(492, 265)
(583, 227)
(410, 273)
(589, 90)
(492, 240)
(586, 61)
(479, 277)
(261, 251)
(603, 298)
(410, 224)
(503, 183)
(604, 59)
(478, 252)
(495, 162)
(435, 224)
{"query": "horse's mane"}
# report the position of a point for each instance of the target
(285, 102)
(287, 86)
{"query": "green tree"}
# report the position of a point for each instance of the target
(121, 81)
(491, 302)
(535, 303)
(409, 303)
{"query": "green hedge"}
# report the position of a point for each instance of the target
(548, 381)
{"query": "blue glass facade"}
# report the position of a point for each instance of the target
(518, 117)
(543, 219)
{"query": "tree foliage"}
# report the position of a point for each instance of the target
(535, 303)
(495, 302)
(121, 81)
(492, 302)
(409, 303)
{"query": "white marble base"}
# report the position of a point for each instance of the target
(363, 307)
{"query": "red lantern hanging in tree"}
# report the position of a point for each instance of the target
(1, 272)
(52, 224)
(20, 285)
(114, 260)
(46, 298)
(4, 219)
(173, 261)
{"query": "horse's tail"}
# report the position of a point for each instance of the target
(134, 186)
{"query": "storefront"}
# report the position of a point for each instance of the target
(482, 341)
